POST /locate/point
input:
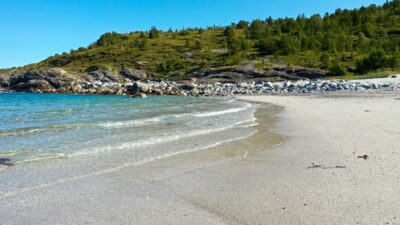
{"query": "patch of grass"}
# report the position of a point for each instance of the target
(370, 75)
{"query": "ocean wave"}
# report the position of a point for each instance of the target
(158, 119)
(43, 157)
(19, 131)
(140, 122)
(114, 169)
(131, 123)
(159, 140)
(8, 153)
(222, 112)
(34, 130)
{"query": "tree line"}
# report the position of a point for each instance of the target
(368, 38)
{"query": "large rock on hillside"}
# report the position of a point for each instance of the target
(57, 77)
(246, 73)
(102, 74)
(310, 73)
(37, 86)
(43, 80)
(302, 72)
(227, 77)
(133, 74)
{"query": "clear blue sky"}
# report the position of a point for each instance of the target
(32, 30)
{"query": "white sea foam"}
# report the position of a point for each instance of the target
(222, 112)
(20, 132)
(8, 153)
(34, 130)
(159, 140)
(131, 123)
(194, 124)
(117, 168)
(155, 120)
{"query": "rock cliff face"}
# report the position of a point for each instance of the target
(94, 81)
(249, 73)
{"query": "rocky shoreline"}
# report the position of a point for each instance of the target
(142, 89)
(137, 83)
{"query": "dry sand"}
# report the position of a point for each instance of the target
(314, 177)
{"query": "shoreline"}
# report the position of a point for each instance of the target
(175, 165)
(287, 173)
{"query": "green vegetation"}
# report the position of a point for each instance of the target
(345, 43)
(376, 60)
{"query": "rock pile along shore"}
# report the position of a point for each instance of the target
(258, 88)
(137, 84)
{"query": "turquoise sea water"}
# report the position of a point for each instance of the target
(37, 127)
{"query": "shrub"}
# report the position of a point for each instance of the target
(110, 39)
(336, 70)
(154, 33)
(376, 60)
(268, 45)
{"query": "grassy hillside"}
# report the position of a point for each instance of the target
(364, 40)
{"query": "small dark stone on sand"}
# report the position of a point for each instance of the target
(314, 166)
(365, 157)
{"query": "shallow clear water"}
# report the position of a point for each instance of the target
(35, 127)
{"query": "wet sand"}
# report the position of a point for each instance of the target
(301, 167)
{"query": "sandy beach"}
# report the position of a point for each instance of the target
(320, 176)
(328, 159)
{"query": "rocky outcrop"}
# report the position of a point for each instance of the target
(302, 73)
(102, 74)
(248, 73)
(44, 80)
(55, 80)
(133, 74)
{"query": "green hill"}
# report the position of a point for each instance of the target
(346, 42)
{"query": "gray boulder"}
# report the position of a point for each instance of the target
(137, 87)
(188, 87)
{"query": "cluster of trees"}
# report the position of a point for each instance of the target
(376, 60)
(367, 29)
(234, 43)
(110, 39)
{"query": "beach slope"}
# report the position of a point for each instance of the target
(339, 164)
